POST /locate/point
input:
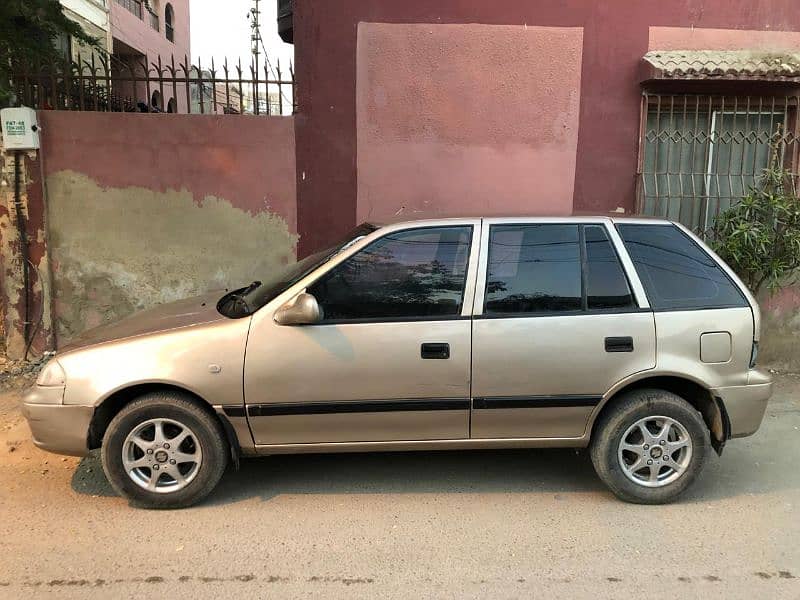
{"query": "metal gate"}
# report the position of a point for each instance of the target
(699, 155)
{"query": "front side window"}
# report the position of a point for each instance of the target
(675, 271)
(418, 273)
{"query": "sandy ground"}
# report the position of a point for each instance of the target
(511, 524)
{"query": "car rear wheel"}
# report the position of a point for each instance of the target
(649, 446)
(164, 451)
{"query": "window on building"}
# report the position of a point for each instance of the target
(134, 6)
(172, 106)
(702, 154)
(410, 274)
(169, 22)
(675, 272)
(156, 101)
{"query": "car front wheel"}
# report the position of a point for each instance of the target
(649, 446)
(164, 451)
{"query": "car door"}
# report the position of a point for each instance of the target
(557, 324)
(389, 361)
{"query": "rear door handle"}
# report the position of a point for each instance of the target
(619, 344)
(435, 351)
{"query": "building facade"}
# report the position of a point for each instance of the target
(424, 108)
(93, 17)
(147, 36)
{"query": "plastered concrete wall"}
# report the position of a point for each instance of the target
(780, 338)
(466, 119)
(616, 34)
(144, 209)
(698, 38)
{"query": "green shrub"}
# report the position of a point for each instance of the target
(760, 236)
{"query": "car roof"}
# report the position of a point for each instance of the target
(401, 220)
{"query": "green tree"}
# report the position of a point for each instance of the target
(760, 236)
(28, 31)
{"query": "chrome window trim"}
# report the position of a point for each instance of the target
(628, 266)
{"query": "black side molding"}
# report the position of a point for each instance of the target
(368, 406)
(619, 344)
(534, 401)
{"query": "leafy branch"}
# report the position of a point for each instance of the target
(28, 32)
(760, 236)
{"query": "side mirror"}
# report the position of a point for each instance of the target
(303, 309)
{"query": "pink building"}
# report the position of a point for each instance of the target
(142, 32)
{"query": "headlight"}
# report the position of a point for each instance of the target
(52, 375)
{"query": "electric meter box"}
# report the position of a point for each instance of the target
(20, 129)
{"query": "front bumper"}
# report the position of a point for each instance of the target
(56, 427)
(746, 404)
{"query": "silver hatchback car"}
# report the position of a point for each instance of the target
(628, 336)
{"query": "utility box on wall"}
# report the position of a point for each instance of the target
(20, 128)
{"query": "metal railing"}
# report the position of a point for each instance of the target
(701, 154)
(126, 84)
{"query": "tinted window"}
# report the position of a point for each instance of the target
(416, 273)
(606, 284)
(676, 272)
(533, 268)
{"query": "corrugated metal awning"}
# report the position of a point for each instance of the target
(723, 65)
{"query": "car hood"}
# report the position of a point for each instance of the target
(183, 313)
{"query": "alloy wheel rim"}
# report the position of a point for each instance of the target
(655, 451)
(162, 455)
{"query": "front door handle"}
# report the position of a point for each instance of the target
(440, 351)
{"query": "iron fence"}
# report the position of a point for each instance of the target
(700, 154)
(134, 84)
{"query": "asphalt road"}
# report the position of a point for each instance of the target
(510, 524)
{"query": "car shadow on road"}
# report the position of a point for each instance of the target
(476, 471)
(561, 471)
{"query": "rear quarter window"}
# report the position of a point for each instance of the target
(676, 272)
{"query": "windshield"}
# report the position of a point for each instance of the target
(245, 301)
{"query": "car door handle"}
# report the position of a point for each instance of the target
(439, 351)
(619, 344)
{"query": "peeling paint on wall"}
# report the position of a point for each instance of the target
(117, 250)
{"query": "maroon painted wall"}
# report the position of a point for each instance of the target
(615, 37)
(143, 209)
(247, 160)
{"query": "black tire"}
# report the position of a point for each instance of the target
(177, 407)
(624, 413)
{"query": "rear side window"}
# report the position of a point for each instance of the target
(533, 269)
(606, 284)
(676, 273)
(553, 268)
